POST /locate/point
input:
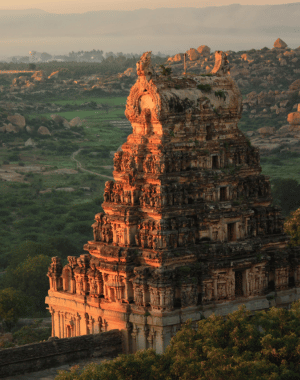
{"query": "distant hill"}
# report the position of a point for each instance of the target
(170, 30)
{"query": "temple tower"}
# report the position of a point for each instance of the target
(188, 228)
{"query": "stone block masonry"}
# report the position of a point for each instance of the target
(40, 356)
(188, 226)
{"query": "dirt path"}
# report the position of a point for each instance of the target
(79, 166)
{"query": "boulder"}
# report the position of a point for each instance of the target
(176, 58)
(43, 131)
(29, 142)
(282, 61)
(294, 118)
(11, 128)
(59, 119)
(295, 86)
(193, 54)
(28, 129)
(266, 130)
(76, 122)
(66, 124)
(203, 50)
(3, 129)
(279, 44)
(289, 53)
(17, 120)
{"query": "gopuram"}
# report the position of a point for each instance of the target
(188, 228)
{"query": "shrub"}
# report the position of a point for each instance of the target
(220, 94)
(204, 87)
(264, 347)
(12, 306)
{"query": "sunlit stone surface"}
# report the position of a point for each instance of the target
(188, 228)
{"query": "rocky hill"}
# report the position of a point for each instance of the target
(270, 84)
(268, 79)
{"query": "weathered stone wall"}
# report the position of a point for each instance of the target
(39, 356)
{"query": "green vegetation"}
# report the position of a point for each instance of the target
(220, 94)
(12, 305)
(32, 333)
(38, 221)
(238, 347)
(292, 227)
(166, 71)
(204, 87)
(286, 194)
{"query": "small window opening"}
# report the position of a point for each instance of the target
(215, 162)
(208, 133)
(291, 282)
(231, 232)
(222, 194)
(239, 283)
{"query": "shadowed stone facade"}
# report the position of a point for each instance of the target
(188, 228)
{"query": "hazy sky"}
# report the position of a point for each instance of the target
(79, 6)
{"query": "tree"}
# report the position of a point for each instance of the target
(30, 278)
(264, 347)
(27, 249)
(13, 305)
(286, 193)
(292, 227)
(32, 66)
(165, 70)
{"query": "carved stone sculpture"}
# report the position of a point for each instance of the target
(188, 227)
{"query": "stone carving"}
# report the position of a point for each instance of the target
(144, 65)
(186, 223)
(54, 273)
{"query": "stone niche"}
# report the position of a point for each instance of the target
(187, 227)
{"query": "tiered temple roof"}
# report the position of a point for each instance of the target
(188, 226)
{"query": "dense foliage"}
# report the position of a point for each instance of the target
(12, 306)
(286, 194)
(292, 227)
(265, 346)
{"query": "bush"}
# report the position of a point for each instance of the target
(204, 87)
(31, 334)
(264, 347)
(30, 277)
(286, 193)
(13, 305)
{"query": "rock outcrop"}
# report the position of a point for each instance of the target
(43, 131)
(17, 120)
(279, 44)
(193, 54)
(203, 50)
(76, 122)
